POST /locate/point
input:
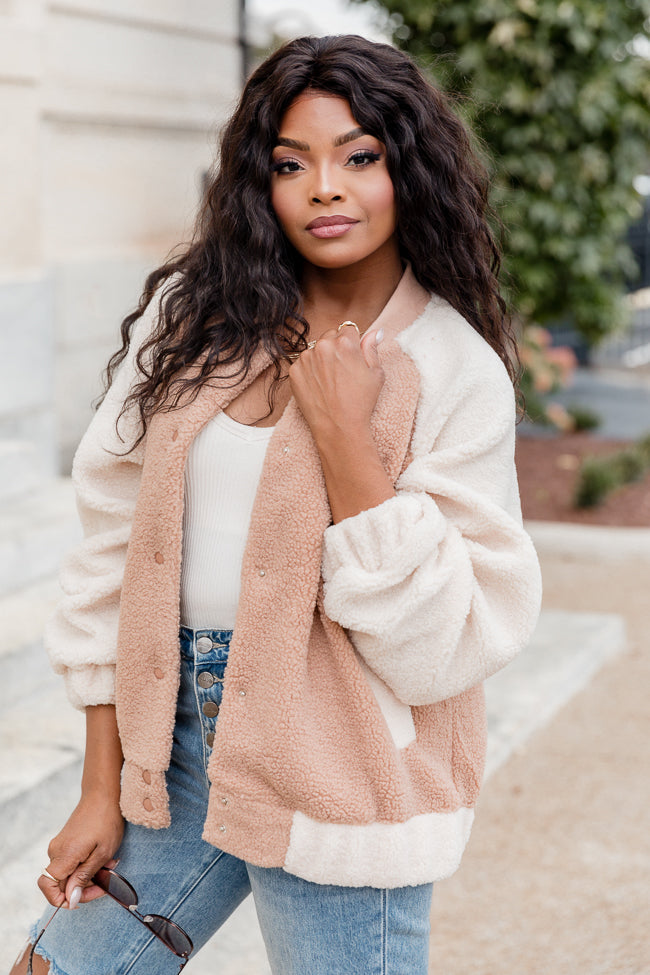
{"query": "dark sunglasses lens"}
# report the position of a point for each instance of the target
(173, 936)
(116, 886)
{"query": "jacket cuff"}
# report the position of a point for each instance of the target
(144, 800)
(86, 686)
(394, 537)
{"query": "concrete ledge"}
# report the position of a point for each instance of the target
(590, 541)
(566, 650)
(41, 742)
(36, 531)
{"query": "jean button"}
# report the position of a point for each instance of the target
(209, 739)
(204, 644)
(205, 679)
(210, 709)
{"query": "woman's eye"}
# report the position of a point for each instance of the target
(363, 158)
(285, 166)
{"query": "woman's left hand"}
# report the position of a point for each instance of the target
(336, 383)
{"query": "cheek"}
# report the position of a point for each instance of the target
(382, 203)
(282, 207)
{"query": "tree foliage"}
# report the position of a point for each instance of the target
(559, 95)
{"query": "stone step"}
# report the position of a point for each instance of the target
(21, 469)
(23, 662)
(36, 530)
(567, 649)
(41, 744)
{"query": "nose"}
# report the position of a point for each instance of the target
(326, 188)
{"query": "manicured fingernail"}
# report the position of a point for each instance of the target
(75, 897)
(379, 336)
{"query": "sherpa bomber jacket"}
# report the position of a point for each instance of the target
(351, 740)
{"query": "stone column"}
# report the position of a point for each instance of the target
(27, 443)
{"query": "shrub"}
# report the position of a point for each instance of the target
(584, 418)
(597, 479)
(546, 368)
(643, 445)
(600, 475)
(629, 465)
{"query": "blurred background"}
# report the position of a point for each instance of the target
(111, 112)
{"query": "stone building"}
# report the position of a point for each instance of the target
(110, 114)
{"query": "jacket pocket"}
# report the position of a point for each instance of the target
(397, 715)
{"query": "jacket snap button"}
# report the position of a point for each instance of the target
(146, 775)
(148, 804)
(222, 828)
(210, 709)
(286, 450)
(242, 693)
(262, 572)
(224, 801)
(159, 557)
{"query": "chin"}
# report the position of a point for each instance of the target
(335, 261)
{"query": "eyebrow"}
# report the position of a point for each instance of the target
(340, 140)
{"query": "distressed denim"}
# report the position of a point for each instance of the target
(308, 929)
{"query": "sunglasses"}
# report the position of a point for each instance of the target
(171, 935)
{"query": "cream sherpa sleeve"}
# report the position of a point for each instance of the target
(81, 635)
(440, 586)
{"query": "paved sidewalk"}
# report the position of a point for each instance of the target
(559, 775)
(555, 880)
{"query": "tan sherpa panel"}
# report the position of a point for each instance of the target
(148, 661)
(144, 797)
(249, 830)
(444, 570)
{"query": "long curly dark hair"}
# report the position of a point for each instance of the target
(236, 284)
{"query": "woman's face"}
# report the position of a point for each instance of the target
(330, 187)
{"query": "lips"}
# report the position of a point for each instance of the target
(332, 221)
(332, 226)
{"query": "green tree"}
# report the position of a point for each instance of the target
(559, 94)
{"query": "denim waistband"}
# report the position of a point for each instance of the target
(204, 644)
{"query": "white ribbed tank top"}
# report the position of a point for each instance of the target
(222, 472)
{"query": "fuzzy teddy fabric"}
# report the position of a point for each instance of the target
(351, 738)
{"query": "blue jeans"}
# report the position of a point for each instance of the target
(308, 929)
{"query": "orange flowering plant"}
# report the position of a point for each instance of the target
(546, 368)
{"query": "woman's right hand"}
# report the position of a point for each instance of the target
(88, 841)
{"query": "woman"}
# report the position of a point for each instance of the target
(305, 462)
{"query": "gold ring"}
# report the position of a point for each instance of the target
(353, 324)
(49, 876)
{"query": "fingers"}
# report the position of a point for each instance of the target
(52, 889)
(79, 887)
(348, 336)
(93, 892)
(369, 344)
(72, 883)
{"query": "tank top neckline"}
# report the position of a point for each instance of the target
(242, 430)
